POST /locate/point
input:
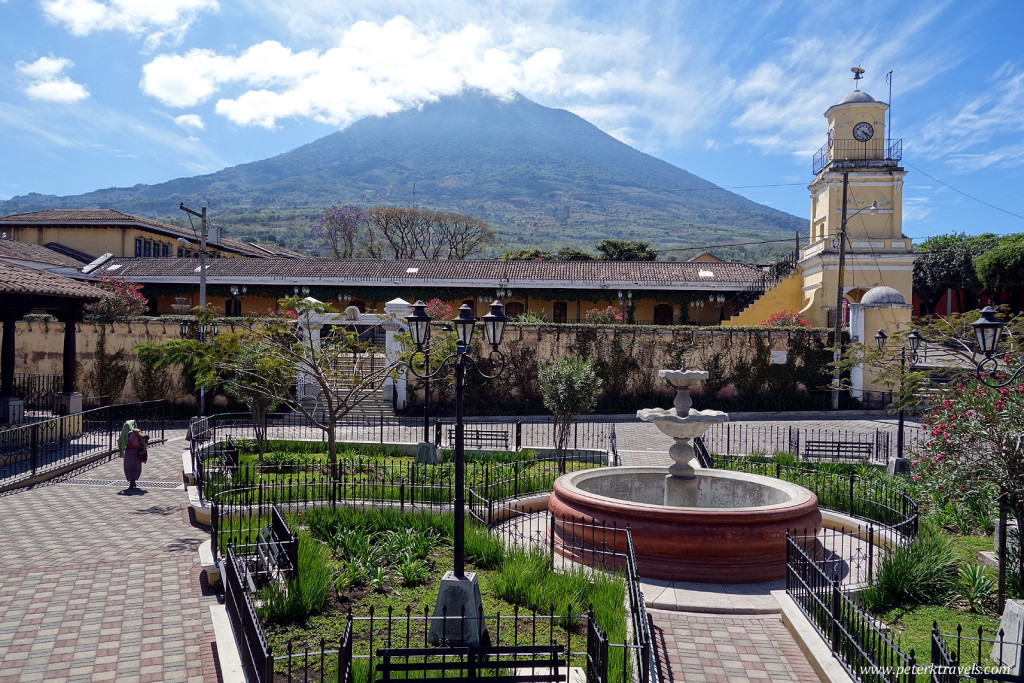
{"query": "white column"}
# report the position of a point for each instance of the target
(395, 312)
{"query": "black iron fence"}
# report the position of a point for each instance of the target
(62, 443)
(865, 650)
(769, 439)
(980, 659)
(37, 391)
(875, 501)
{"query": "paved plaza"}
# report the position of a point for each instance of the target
(98, 585)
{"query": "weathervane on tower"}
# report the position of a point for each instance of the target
(858, 73)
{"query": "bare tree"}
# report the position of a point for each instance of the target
(462, 235)
(431, 235)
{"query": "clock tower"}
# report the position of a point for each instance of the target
(860, 166)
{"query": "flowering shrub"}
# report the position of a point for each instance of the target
(786, 319)
(973, 447)
(603, 316)
(126, 302)
(439, 310)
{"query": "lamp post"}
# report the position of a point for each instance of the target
(624, 302)
(880, 338)
(838, 339)
(419, 320)
(236, 306)
(458, 591)
(988, 331)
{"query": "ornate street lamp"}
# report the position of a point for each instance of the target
(457, 589)
(880, 339)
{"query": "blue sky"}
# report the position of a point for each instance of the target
(97, 94)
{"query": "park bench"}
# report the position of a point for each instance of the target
(500, 664)
(481, 438)
(837, 450)
(229, 454)
(273, 559)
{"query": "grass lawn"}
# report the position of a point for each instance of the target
(912, 626)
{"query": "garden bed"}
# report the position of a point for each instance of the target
(385, 567)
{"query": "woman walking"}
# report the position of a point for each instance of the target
(133, 444)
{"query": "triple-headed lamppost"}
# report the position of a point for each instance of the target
(459, 594)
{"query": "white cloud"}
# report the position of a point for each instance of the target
(156, 19)
(985, 132)
(48, 83)
(190, 121)
(374, 69)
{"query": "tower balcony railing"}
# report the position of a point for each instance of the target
(853, 153)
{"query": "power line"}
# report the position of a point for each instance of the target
(969, 196)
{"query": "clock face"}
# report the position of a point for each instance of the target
(863, 131)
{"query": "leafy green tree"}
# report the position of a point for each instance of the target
(1001, 268)
(570, 387)
(573, 254)
(198, 360)
(624, 250)
(527, 255)
(253, 366)
(948, 262)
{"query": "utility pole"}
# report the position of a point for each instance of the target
(838, 328)
(202, 252)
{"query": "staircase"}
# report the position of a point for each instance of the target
(347, 374)
(744, 309)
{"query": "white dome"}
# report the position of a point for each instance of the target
(857, 97)
(883, 296)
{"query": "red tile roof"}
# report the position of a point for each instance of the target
(33, 253)
(556, 274)
(18, 279)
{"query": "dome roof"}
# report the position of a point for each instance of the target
(857, 97)
(882, 296)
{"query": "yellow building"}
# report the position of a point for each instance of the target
(86, 234)
(856, 217)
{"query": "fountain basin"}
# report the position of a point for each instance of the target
(736, 532)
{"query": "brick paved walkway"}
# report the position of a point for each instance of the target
(727, 649)
(96, 585)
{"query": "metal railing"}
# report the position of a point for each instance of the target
(37, 391)
(957, 656)
(768, 439)
(62, 443)
(851, 153)
(778, 272)
(866, 651)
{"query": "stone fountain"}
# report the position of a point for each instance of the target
(683, 424)
(702, 525)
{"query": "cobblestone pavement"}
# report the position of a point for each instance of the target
(97, 585)
(728, 649)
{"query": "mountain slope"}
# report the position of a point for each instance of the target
(541, 176)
